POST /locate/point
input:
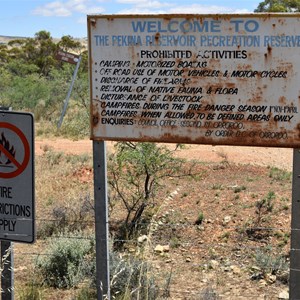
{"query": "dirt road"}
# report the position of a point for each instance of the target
(276, 157)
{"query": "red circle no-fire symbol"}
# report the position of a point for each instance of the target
(12, 163)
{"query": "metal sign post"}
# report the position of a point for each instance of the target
(101, 220)
(7, 262)
(7, 271)
(70, 90)
(295, 230)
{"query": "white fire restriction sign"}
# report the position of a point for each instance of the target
(17, 213)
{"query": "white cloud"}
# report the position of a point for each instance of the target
(136, 11)
(145, 3)
(94, 10)
(56, 8)
(79, 7)
(156, 7)
(204, 9)
(67, 8)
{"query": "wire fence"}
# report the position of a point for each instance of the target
(217, 268)
(231, 265)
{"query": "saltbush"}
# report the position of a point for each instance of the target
(68, 262)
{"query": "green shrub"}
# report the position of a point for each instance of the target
(238, 189)
(200, 218)
(266, 204)
(54, 158)
(68, 262)
(32, 292)
(263, 209)
(279, 174)
(75, 124)
(86, 293)
(270, 262)
(136, 172)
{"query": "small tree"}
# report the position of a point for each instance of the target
(136, 171)
(263, 209)
(278, 6)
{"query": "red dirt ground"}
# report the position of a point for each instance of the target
(262, 156)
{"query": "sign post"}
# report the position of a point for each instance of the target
(7, 262)
(101, 220)
(68, 57)
(295, 230)
(71, 59)
(7, 268)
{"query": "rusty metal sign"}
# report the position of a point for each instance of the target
(204, 79)
(68, 57)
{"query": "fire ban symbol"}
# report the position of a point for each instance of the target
(4, 161)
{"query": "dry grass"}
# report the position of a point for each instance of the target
(201, 256)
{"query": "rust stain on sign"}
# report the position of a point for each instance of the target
(209, 79)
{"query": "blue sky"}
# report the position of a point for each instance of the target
(68, 17)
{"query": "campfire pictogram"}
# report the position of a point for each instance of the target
(4, 160)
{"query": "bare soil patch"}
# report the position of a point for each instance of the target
(261, 156)
(220, 256)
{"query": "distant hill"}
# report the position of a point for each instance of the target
(5, 39)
